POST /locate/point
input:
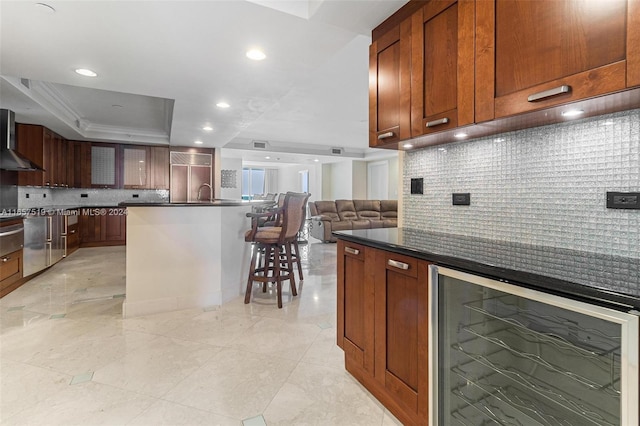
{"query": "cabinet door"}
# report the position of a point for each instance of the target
(90, 228)
(532, 55)
(442, 53)
(135, 167)
(30, 143)
(105, 163)
(81, 170)
(390, 86)
(401, 334)
(355, 308)
(159, 170)
(114, 226)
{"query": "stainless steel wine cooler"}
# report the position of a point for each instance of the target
(506, 355)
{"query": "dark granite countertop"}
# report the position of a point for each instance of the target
(592, 277)
(213, 203)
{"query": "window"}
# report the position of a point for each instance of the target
(252, 182)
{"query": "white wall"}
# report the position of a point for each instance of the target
(341, 177)
(289, 179)
(359, 180)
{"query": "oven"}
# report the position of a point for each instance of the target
(11, 238)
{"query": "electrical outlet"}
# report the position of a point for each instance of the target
(136, 195)
(623, 200)
(84, 195)
(461, 199)
(417, 186)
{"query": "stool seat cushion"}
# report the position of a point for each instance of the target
(265, 234)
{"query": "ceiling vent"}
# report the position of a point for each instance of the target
(260, 144)
(337, 151)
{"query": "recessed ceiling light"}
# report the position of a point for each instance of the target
(198, 142)
(315, 160)
(573, 113)
(407, 145)
(86, 72)
(222, 105)
(460, 135)
(256, 54)
(267, 157)
(207, 128)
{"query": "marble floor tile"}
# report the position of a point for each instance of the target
(157, 367)
(233, 383)
(316, 394)
(165, 413)
(219, 365)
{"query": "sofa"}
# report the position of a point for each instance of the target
(341, 215)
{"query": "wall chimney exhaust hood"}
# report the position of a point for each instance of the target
(10, 159)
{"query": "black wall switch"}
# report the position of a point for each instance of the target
(84, 195)
(135, 195)
(416, 186)
(623, 200)
(461, 199)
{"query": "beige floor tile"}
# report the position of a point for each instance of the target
(234, 383)
(165, 413)
(325, 351)
(84, 404)
(22, 386)
(157, 367)
(322, 395)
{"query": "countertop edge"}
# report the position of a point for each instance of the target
(531, 280)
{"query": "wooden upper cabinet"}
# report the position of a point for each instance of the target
(390, 86)
(532, 55)
(159, 170)
(105, 165)
(46, 149)
(135, 167)
(442, 66)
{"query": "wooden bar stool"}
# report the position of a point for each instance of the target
(275, 242)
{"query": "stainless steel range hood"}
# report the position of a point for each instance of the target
(10, 159)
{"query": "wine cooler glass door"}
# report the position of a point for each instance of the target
(506, 355)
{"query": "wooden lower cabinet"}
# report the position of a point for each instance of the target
(10, 272)
(382, 326)
(103, 227)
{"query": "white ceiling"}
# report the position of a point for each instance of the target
(165, 64)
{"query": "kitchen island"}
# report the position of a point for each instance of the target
(185, 255)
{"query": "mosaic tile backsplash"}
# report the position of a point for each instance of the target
(543, 186)
(43, 197)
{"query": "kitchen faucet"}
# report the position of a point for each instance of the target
(200, 191)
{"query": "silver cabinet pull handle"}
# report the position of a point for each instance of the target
(396, 264)
(386, 135)
(352, 251)
(548, 93)
(437, 122)
(15, 231)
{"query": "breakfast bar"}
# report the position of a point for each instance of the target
(185, 255)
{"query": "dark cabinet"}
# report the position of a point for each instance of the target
(102, 226)
(145, 167)
(442, 50)
(105, 165)
(533, 55)
(79, 160)
(390, 86)
(46, 149)
(382, 322)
